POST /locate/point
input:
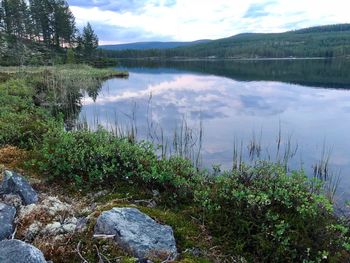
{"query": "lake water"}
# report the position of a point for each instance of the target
(307, 102)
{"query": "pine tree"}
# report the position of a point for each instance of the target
(63, 23)
(1, 17)
(89, 40)
(14, 15)
(42, 13)
(70, 56)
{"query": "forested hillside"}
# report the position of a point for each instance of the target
(323, 41)
(152, 45)
(41, 31)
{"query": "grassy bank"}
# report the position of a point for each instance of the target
(259, 213)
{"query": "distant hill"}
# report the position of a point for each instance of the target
(152, 45)
(321, 41)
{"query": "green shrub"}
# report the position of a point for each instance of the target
(99, 158)
(266, 215)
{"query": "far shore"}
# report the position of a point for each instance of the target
(231, 59)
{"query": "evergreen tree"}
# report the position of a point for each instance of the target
(63, 23)
(89, 41)
(54, 23)
(42, 12)
(70, 56)
(1, 17)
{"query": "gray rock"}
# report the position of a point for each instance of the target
(7, 217)
(16, 184)
(137, 233)
(16, 251)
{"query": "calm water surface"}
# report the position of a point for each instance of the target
(309, 101)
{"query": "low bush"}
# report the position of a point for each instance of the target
(99, 158)
(267, 215)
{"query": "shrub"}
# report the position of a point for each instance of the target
(99, 158)
(266, 215)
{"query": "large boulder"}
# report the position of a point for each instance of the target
(7, 217)
(137, 233)
(16, 251)
(16, 184)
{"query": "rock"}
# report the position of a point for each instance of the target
(137, 233)
(16, 184)
(16, 251)
(7, 217)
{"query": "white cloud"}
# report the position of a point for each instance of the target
(199, 19)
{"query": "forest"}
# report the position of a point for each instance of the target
(322, 41)
(41, 32)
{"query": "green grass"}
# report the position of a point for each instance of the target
(75, 71)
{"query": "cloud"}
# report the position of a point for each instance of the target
(258, 10)
(185, 20)
(111, 34)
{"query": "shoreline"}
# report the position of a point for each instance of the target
(232, 59)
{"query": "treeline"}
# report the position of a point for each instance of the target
(44, 28)
(327, 28)
(326, 73)
(325, 41)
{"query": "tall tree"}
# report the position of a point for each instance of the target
(42, 11)
(89, 40)
(1, 17)
(63, 23)
(15, 17)
(54, 22)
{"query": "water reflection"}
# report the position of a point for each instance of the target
(230, 110)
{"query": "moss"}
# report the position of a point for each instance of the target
(125, 190)
(187, 233)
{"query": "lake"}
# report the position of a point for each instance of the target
(263, 109)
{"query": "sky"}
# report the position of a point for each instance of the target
(127, 21)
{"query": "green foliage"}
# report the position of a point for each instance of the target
(95, 158)
(263, 213)
(325, 41)
(89, 41)
(70, 56)
(21, 123)
(36, 32)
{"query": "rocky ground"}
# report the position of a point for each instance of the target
(48, 223)
(43, 225)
